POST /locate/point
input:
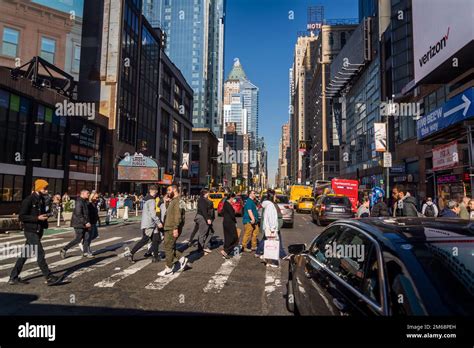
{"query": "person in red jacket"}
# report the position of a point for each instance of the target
(113, 205)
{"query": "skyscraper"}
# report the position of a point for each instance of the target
(195, 43)
(238, 83)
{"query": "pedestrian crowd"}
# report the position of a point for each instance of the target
(405, 205)
(162, 221)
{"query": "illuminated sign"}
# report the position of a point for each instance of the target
(138, 168)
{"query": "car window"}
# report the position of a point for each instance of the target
(347, 256)
(282, 199)
(337, 201)
(319, 246)
(307, 199)
(371, 283)
(215, 196)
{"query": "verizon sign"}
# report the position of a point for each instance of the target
(445, 156)
(440, 29)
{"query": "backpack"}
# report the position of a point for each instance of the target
(429, 211)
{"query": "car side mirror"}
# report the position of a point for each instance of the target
(296, 248)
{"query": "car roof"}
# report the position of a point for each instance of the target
(413, 229)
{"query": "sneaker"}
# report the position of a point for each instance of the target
(62, 253)
(272, 265)
(166, 272)
(15, 281)
(52, 280)
(247, 250)
(186, 241)
(182, 263)
(89, 255)
(207, 250)
(147, 255)
(130, 258)
(258, 255)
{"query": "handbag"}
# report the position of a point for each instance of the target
(271, 249)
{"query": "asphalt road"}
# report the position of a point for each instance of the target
(110, 285)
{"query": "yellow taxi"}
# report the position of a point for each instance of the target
(216, 197)
(304, 204)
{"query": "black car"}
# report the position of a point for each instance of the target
(331, 207)
(385, 266)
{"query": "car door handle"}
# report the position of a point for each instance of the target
(339, 304)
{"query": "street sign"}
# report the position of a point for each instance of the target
(455, 110)
(387, 159)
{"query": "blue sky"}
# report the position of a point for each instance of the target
(261, 34)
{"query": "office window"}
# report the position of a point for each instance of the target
(76, 58)
(10, 42)
(343, 39)
(48, 49)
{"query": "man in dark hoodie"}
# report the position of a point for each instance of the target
(150, 226)
(405, 204)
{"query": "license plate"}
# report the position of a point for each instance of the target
(339, 210)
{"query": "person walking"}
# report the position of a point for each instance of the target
(452, 210)
(150, 224)
(82, 226)
(405, 204)
(250, 221)
(56, 207)
(203, 223)
(94, 219)
(379, 208)
(173, 223)
(35, 220)
(270, 224)
(231, 239)
(113, 205)
(429, 209)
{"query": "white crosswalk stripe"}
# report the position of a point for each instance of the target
(272, 280)
(100, 264)
(218, 280)
(56, 253)
(160, 282)
(115, 278)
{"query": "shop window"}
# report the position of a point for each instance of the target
(48, 49)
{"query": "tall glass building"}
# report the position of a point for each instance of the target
(195, 43)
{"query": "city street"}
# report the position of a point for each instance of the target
(110, 285)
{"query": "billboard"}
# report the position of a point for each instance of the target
(380, 134)
(440, 29)
(349, 188)
(445, 156)
(137, 168)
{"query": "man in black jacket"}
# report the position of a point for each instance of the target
(35, 220)
(203, 222)
(82, 226)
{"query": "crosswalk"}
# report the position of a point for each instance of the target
(111, 270)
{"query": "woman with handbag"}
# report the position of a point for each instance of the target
(231, 239)
(271, 227)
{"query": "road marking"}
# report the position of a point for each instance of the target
(66, 261)
(56, 253)
(114, 278)
(102, 263)
(218, 280)
(160, 282)
(21, 238)
(272, 280)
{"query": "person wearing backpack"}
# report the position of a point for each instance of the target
(429, 209)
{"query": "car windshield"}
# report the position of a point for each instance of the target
(307, 199)
(282, 199)
(215, 196)
(337, 201)
(450, 268)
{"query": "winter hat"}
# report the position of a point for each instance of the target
(40, 184)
